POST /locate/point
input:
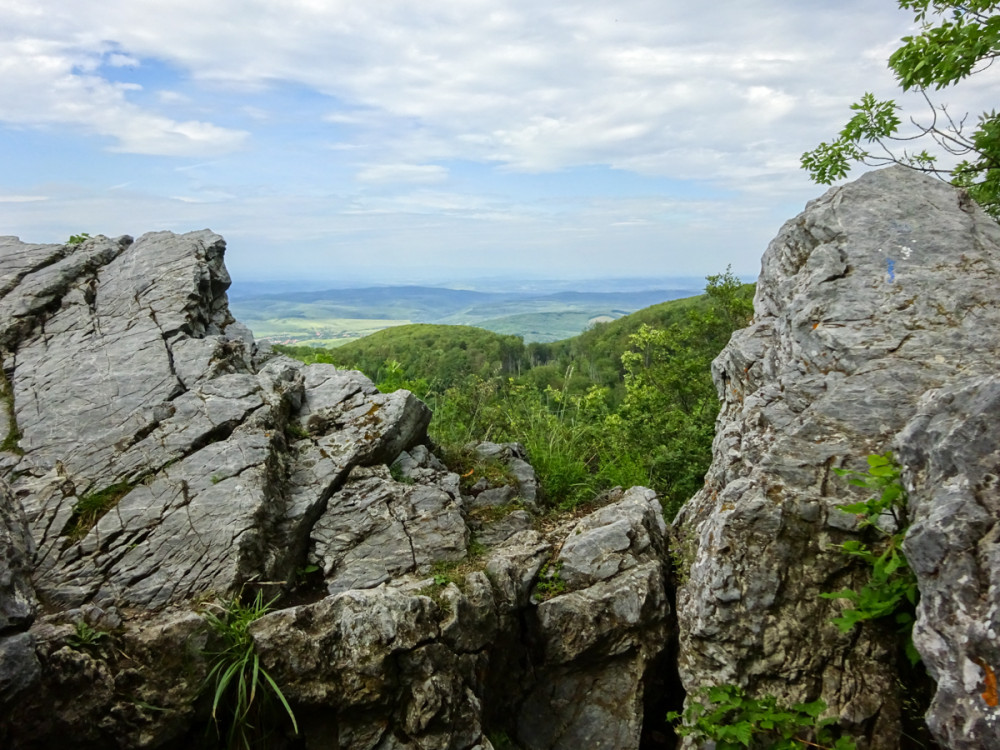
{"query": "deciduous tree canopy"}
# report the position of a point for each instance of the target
(957, 39)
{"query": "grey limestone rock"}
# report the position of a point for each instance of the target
(20, 670)
(613, 539)
(375, 529)
(602, 636)
(952, 460)
(879, 291)
(442, 659)
(17, 594)
(512, 455)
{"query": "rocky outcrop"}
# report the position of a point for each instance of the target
(158, 463)
(875, 316)
(952, 456)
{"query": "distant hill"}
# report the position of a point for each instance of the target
(332, 317)
(444, 354)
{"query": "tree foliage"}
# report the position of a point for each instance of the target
(957, 39)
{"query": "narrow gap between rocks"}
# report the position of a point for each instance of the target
(664, 691)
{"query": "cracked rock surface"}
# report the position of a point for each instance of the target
(953, 470)
(878, 293)
(157, 463)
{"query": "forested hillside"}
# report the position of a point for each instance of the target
(628, 402)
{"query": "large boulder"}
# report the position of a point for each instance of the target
(447, 657)
(879, 291)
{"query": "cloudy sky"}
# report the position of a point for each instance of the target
(396, 140)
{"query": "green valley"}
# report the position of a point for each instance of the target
(627, 402)
(332, 317)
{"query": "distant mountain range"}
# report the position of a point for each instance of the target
(333, 316)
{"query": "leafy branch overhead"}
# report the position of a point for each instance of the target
(956, 40)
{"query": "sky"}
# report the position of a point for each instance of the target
(395, 141)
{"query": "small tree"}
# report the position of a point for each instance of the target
(958, 38)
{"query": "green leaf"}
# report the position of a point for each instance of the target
(955, 41)
(743, 733)
(281, 698)
(813, 709)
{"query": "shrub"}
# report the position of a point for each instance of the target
(731, 719)
(891, 590)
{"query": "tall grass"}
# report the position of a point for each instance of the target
(243, 693)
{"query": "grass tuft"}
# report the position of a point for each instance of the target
(89, 509)
(243, 693)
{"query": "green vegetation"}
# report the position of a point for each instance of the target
(305, 573)
(296, 431)
(962, 39)
(87, 638)
(78, 239)
(732, 720)
(727, 716)
(891, 591)
(243, 693)
(90, 508)
(630, 402)
(549, 582)
(436, 356)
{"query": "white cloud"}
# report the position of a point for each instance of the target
(117, 60)
(376, 107)
(403, 173)
(22, 198)
(534, 86)
(46, 82)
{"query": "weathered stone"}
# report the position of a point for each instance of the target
(494, 532)
(613, 539)
(600, 639)
(17, 595)
(493, 496)
(136, 691)
(513, 567)
(608, 717)
(19, 667)
(375, 529)
(513, 455)
(473, 620)
(420, 465)
(882, 289)
(952, 459)
(339, 651)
